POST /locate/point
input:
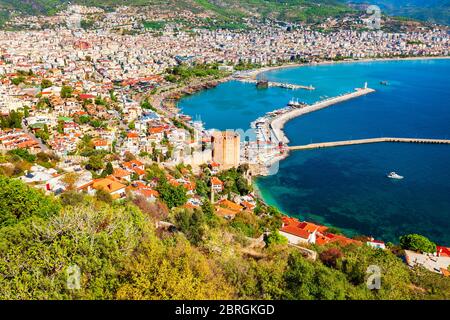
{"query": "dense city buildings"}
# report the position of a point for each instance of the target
(88, 110)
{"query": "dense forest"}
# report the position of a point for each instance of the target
(120, 252)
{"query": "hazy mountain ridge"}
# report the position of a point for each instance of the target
(437, 11)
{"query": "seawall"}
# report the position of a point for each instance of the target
(367, 141)
(278, 122)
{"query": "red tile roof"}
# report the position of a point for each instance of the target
(311, 227)
(292, 226)
(216, 181)
(443, 251)
(86, 96)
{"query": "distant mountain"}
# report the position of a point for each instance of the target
(437, 11)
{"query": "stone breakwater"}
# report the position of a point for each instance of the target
(277, 123)
(368, 141)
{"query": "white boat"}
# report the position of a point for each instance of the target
(393, 175)
(295, 103)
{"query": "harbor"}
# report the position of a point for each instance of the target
(277, 123)
(353, 178)
(270, 145)
(271, 84)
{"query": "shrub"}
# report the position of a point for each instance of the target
(329, 257)
(417, 242)
(24, 154)
(71, 198)
(104, 196)
(275, 238)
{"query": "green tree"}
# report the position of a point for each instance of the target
(208, 211)
(99, 240)
(243, 187)
(306, 280)
(104, 196)
(18, 80)
(84, 119)
(23, 154)
(108, 170)
(95, 163)
(178, 271)
(147, 105)
(191, 223)
(45, 83)
(173, 196)
(19, 202)
(43, 135)
(202, 188)
(72, 198)
(66, 92)
(70, 180)
(417, 242)
(275, 238)
(13, 120)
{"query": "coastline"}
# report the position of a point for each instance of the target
(278, 123)
(257, 191)
(178, 93)
(257, 72)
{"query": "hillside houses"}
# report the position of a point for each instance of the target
(11, 139)
(299, 233)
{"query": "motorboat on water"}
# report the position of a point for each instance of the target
(394, 175)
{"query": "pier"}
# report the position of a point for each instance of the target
(279, 84)
(277, 123)
(367, 141)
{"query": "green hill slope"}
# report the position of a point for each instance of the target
(294, 10)
(277, 9)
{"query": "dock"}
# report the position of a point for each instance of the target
(277, 123)
(367, 141)
(279, 84)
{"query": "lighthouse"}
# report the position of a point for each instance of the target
(365, 85)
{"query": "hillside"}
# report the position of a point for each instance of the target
(277, 9)
(111, 250)
(289, 10)
(437, 11)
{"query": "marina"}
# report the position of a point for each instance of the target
(270, 145)
(353, 177)
(278, 122)
(270, 84)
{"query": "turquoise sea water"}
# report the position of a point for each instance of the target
(347, 187)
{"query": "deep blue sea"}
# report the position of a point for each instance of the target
(347, 186)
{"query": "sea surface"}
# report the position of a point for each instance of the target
(346, 187)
